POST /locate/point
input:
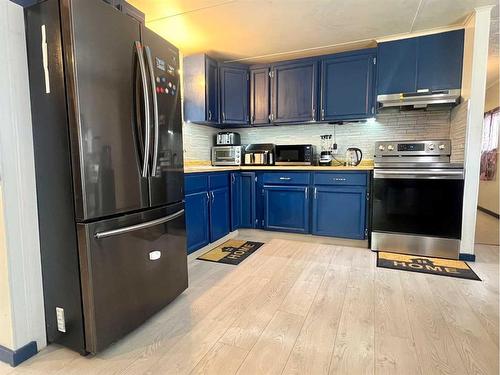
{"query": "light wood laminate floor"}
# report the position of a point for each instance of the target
(298, 307)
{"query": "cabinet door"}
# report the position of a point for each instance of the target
(236, 200)
(219, 213)
(197, 221)
(259, 96)
(286, 208)
(439, 61)
(294, 92)
(248, 200)
(339, 211)
(397, 66)
(347, 87)
(234, 95)
(212, 90)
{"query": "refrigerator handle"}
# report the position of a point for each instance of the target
(147, 138)
(155, 110)
(132, 228)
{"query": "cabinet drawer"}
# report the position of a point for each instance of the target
(342, 178)
(286, 178)
(219, 180)
(195, 183)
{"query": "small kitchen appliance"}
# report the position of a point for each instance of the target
(259, 154)
(227, 139)
(294, 154)
(226, 155)
(353, 157)
(417, 196)
(326, 153)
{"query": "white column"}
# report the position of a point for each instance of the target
(474, 87)
(17, 179)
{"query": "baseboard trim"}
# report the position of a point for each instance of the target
(15, 357)
(489, 212)
(467, 257)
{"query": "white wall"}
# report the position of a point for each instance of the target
(489, 191)
(17, 181)
(474, 86)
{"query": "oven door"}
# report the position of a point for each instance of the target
(424, 202)
(293, 155)
(225, 155)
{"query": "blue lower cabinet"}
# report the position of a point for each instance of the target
(339, 211)
(247, 200)
(197, 221)
(286, 208)
(219, 213)
(236, 200)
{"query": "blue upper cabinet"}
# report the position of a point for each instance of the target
(201, 90)
(347, 86)
(440, 59)
(234, 95)
(431, 62)
(294, 91)
(260, 104)
(397, 66)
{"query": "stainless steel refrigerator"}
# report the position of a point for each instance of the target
(105, 101)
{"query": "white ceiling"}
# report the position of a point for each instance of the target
(270, 30)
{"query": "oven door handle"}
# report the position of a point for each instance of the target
(433, 174)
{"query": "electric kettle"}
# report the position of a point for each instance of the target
(353, 156)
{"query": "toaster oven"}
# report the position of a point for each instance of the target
(226, 155)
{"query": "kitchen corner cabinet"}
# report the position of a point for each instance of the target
(430, 62)
(294, 91)
(347, 86)
(260, 104)
(201, 90)
(234, 90)
(207, 208)
(236, 200)
(242, 200)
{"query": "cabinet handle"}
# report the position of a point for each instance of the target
(208, 198)
(233, 178)
(209, 114)
(339, 179)
(223, 116)
(285, 178)
(313, 113)
(306, 193)
(213, 196)
(315, 193)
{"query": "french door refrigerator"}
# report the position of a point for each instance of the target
(107, 135)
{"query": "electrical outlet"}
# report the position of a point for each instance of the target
(335, 150)
(61, 322)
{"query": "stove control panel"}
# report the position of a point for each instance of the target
(440, 147)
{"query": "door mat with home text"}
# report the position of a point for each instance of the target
(434, 266)
(231, 252)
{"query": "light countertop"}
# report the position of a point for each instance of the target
(199, 168)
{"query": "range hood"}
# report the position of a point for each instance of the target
(419, 99)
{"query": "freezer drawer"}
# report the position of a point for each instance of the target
(131, 267)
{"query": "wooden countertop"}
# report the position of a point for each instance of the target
(190, 168)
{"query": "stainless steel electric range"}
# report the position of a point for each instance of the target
(417, 198)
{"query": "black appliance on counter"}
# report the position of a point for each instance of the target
(294, 154)
(417, 199)
(227, 139)
(109, 170)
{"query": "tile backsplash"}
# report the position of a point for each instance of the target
(409, 125)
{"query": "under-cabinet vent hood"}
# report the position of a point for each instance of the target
(420, 99)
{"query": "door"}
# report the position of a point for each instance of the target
(166, 180)
(347, 87)
(234, 95)
(286, 208)
(236, 200)
(132, 267)
(248, 200)
(397, 66)
(107, 164)
(339, 211)
(294, 92)
(212, 90)
(197, 221)
(420, 206)
(219, 213)
(259, 96)
(440, 59)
